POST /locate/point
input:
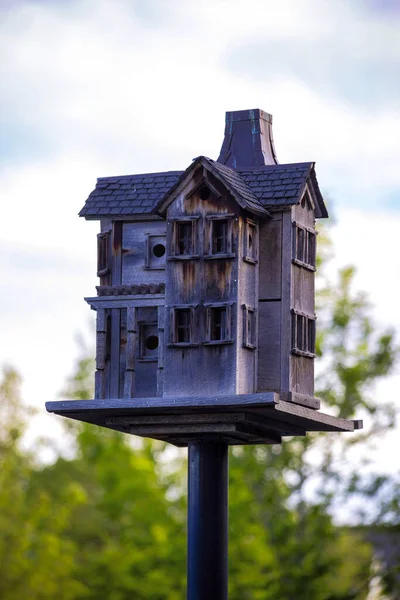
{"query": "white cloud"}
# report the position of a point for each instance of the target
(98, 80)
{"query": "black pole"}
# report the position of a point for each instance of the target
(207, 568)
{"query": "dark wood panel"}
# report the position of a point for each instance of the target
(270, 276)
(269, 349)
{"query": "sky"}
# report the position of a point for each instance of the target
(93, 88)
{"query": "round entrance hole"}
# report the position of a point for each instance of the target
(159, 250)
(151, 342)
(205, 193)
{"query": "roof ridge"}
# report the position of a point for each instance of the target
(276, 167)
(162, 173)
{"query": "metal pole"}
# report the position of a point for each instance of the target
(207, 566)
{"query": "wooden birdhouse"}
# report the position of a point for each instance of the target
(206, 297)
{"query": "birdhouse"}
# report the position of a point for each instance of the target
(206, 322)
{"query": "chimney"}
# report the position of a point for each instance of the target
(248, 140)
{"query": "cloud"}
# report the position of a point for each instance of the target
(97, 82)
(347, 53)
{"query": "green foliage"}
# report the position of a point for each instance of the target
(110, 521)
(36, 557)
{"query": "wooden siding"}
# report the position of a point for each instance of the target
(246, 358)
(287, 293)
(271, 258)
(135, 250)
(203, 369)
(269, 346)
(304, 215)
(301, 380)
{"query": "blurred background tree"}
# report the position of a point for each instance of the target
(110, 522)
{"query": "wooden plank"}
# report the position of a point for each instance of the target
(274, 425)
(302, 376)
(115, 352)
(131, 330)
(270, 260)
(116, 243)
(286, 327)
(165, 419)
(161, 346)
(258, 431)
(185, 429)
(165, 403)
(311, 419)
(150, 300)
(129, 383)
(100, 384)
(269, 355)
(101, 321)
(302, 399)
(100, 350)
(247, 294)
(303, 290)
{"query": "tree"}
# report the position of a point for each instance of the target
(32, 525)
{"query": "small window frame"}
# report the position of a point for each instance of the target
(304, 246)
(210, 308)
(303, 334)
(211, 223)
(249, 327)
(103, 253)
(250, 252)
(174, 336)
(149, 260)
(173, 249)
(142, 356)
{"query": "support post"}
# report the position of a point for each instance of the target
(207, 568)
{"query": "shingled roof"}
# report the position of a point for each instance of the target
(263, 187)
(284, 185)
(128, 195)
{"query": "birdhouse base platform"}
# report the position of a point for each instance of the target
(261, 418)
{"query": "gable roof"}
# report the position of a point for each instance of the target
(230, 179)
(284, 185)
(268, 187)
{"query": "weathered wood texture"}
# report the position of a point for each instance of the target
(269, 346)
(286, 302)
(197, 280)
(301, 379)
(247, 296)
(270, 275)
(140, 242)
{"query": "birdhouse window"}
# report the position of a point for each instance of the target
(304, 246)
(218, 323)
(220, 236)
(219, 233)
(303, 334)
(103, 254)
(250, 242)
(249, 327)
(182, 325)
(155, 251)
(184, 239)
(148, 338)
